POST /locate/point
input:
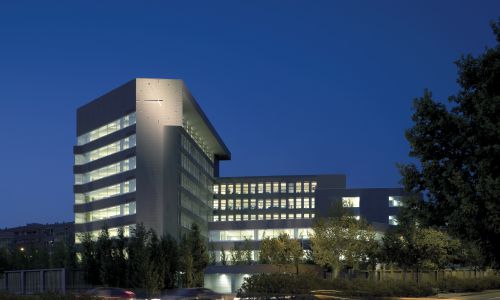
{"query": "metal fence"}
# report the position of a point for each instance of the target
(34, 281)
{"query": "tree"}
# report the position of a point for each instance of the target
(105, 259)
(223, 258)
(138, 257)
(281, 250)
(198, 247)
(247, 252)
(458, 150)
(119, 250)
(89, 263)
(186, 262)
(171, 261)
(341, 242)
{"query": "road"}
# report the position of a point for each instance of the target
(486, 295)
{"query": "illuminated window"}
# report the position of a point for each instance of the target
(290, 187)
(283, 203)
(216, 204)
(253, 217)
(291, 216)
(245, 203)
(313, 215)
(261, 217)
(276, 187)
(245, 217)
(252, 188)
(116, 168)
(106, 192)
(306, 202)
(357, 218)
(276, 203)
(109, 128)
(283, 216)
(216, 189)
(298, 187)
(350, 201)
(268, 217)
(393, 220)
(260, 188)
(216, 218)
(276, 216)
(230, 204)
(306, 216)
(222, 204)
(252, 204)
(230, 218)
(237, 187)
(105, 213)
(298, 203)
(237, 204)
(306, 187)
(261, 204)
(291, 203)
(104, 151)
(223, 218)
(313, 202)
(395, 201)
(268, 187)
(313, 186)
(230, 189)
(223, 189)
(283, 187)
(245, 188)
(298, 216)
(237, 218)
(268, 203)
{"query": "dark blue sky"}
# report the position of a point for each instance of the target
(293, 87)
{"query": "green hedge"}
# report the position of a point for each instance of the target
(469, 284)
(276, 285)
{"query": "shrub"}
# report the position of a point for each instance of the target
(454, 284)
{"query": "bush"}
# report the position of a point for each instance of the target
(454, 284)
(278, 285)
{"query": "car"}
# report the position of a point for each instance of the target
(111, 293)
(192, 293)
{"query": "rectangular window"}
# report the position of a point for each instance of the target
(237, 218)
(290, 187)
(252, 188)
(306, 202)
(245, 203)
(216, 218)
(291, 203)
(252, 204)
(245, 188)
(253, 217)
(276, 216)
(268, 217)
(260, 188)
(237, 187)
(393, 220)
(109, 128)
(245, 217)
(223, 218)
(350, 201)
(313, 215)
(298, 187)
(223, 189)
(261, 217)
(291, 216)
(283, 203)
(298, 203)
(268, 187)
(283, 216)
(395, 201)
(313, 186)
(268, 203)
(230, 218)
(230, 204)
(313, 202)
(237, 204)
(216, 204)
(276, 187)
(283, 187)
(222, 204)
(276, 203)
(261, 204)
(298, 216)
(306, 187)
(306, 216)
(230, 189)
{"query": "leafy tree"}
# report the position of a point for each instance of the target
(223, 258)
(198, 247)
(104, 257)
(155, 265)
(119, 260)
(341, 242)
(211, 254)
(281, 250)
(247, 252)
(186, 262)
(237, 255)
(89, 263)
(171, 260)
(458, 149)
(138, 257)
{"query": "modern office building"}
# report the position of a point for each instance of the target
(37, 235)
(145, 153)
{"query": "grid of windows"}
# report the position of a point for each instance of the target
(112, 148)
(109, 128)
(259, 234)
(106, 192)
(105, 213)
(265, 187)
(253, 217)
(200, 141)
(197, 155)
(350, 201)
(116, 168)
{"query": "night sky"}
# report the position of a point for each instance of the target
(293, 87)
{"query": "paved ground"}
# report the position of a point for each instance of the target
(487, 295)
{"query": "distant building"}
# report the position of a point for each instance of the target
(34, 234)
